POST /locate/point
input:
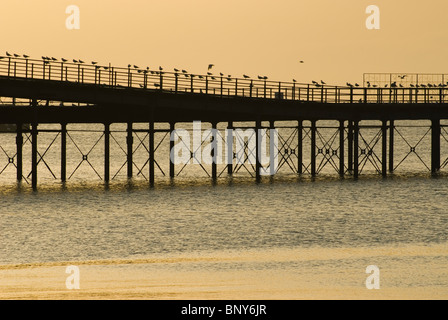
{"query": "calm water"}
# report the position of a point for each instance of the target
(85, 220)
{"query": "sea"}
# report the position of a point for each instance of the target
(288, 236)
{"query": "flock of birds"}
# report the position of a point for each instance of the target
(48, 60)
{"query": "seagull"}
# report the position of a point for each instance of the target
(349, 84)
(294, 80)
(314, 82)
(64, 60)
(16, 55)
(246, 76)
(260, 77)
(75, 61)
(210, 66)
(368, 84)
(80, 61)
(201, 77)
(184, 71)
(160, 68)
(229, 79)
(26, 56)
(54, 59)
(213, 78)
(94, 62)
(8, 54)
(222, 74)
(322, 82)
(265, 78)
(209, 73)
(176, 70)
(136, 67)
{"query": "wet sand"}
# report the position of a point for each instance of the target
(417, 272)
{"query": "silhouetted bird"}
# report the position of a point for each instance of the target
(265, 78)
(210, 66)
(160, 68)
(209, 73)
(16, 55)
(64, 60)
(136, 67)
(75, 61)
(156, 85)
(246, 76)
(368, 84)
(80, 61)
(184, 71)
(26, 56)
(393, 85)
(8, 54)
(260, 77)
(94, 62)
(322, 82)
(54, 59)
(314, 82)
(356, 85)
(385, 86)
(200, 77)
(213, 78)
(349, 84)
(294, 80)
(229, 79)
(221, 74)
(176, 70)
(412, 85)
(301, 61)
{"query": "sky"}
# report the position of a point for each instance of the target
(254, 37)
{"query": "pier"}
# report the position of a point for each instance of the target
(52, 92)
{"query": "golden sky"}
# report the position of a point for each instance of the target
(254, 37)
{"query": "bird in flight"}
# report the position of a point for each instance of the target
(210, 66)
(301, 61)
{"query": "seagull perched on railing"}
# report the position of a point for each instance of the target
(26, 56)
(16, 55)
(349, 84)
(294, 80)
(176, 70)
(322, 82)
(64, 60)
(184, 71)
(246, 76)
(209, 73)
(260, 78)
(8, 54)
(80, 61)
(75, 61)
(94, 62)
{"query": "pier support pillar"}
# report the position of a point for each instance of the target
(313, 148)
(356, 149)
(151, 154)
(19, 143)
(34, 133)
(257, 150)
(214, 151)
(229, 149)
(63, 152)
(130, 152)
(384, 148)
(350, 147)
(300, 147)
(172, 168)
(106, 152)
(435, 145)
(341, 148)
(391, 145)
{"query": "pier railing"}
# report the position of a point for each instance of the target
(181, 81)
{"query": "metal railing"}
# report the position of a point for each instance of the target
(180, 81)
